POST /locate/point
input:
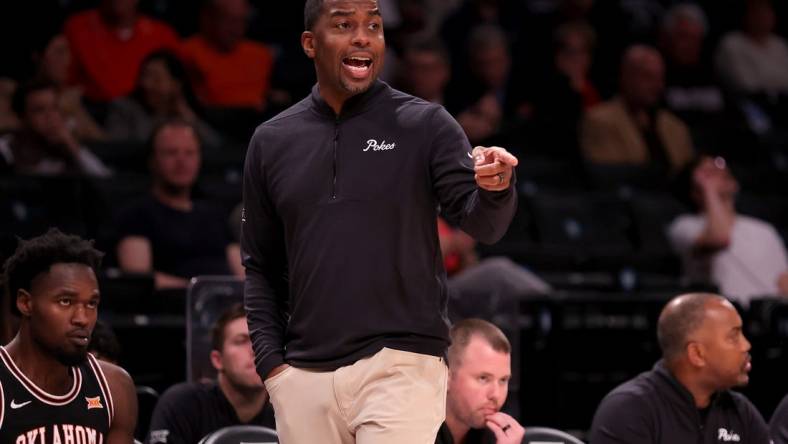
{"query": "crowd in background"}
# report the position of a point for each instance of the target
(154, 100)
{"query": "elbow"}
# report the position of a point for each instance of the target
(492, 236)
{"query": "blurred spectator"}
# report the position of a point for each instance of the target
(162, 92)
(425, 70)
(560, 99)
(755, 59)
(187, 412)
(44, 144)
(168, 233)
(687, 396)
(423, 18)
(53, 62)
(574, 44)
(109, 43)
(691, 89)
(482, 287)
(228, 70)
(8, 118)
(633, 128)
(104, 343)
(455, 30)
(479, 102)
(743, 256)
(480, 367)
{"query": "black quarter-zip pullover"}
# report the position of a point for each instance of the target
(654, 408)
(339, 231)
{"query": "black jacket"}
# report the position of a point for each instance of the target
(655, 408)
(339, 232)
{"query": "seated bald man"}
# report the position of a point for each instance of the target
(686, 397)
(479, 373)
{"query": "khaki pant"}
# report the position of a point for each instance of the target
(393, 396)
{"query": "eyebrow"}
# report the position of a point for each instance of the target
(69, 292)
(349, 12)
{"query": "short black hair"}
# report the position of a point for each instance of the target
(312, 10)
(217, 333)
(677, 323)
(19, 99)
(37, 255)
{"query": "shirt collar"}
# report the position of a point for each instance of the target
(352, 106)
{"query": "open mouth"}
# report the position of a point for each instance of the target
(358, 66)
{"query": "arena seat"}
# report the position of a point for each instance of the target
(242, 434)
(546, 435)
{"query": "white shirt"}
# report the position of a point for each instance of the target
(750, 266)
(750, 67)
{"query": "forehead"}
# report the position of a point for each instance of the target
(72, 275)
(332, 6)
(721, 315)
(176, 136)
(479, 356)
(236, 327)
(41, 96)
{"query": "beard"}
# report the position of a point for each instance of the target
(354, 89)
(71, 358)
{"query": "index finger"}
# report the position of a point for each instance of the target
(504, 156)
(500, 419)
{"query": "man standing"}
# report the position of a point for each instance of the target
(479, 374)
(188, 412)
(345, 290)
(685, 397)
(51, 389)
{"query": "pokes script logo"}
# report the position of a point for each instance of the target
(373, 145)
(94, 403)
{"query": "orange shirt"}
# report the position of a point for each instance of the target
(105, 63)
(240, 78)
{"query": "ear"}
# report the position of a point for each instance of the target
(216, 360)
(696, 354)
(24, 302)
(308, 43)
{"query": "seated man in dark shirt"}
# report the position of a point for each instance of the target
(187, 412)
(685, 398)
(168, 233)
(479, 373)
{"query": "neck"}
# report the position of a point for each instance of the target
(40, 367)
(218, 45)
(760, 38)
(701, 393)
(457, 428)
(119, 23)
(640, 114)
(334, 100)
(247, 403)
(178, 198)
